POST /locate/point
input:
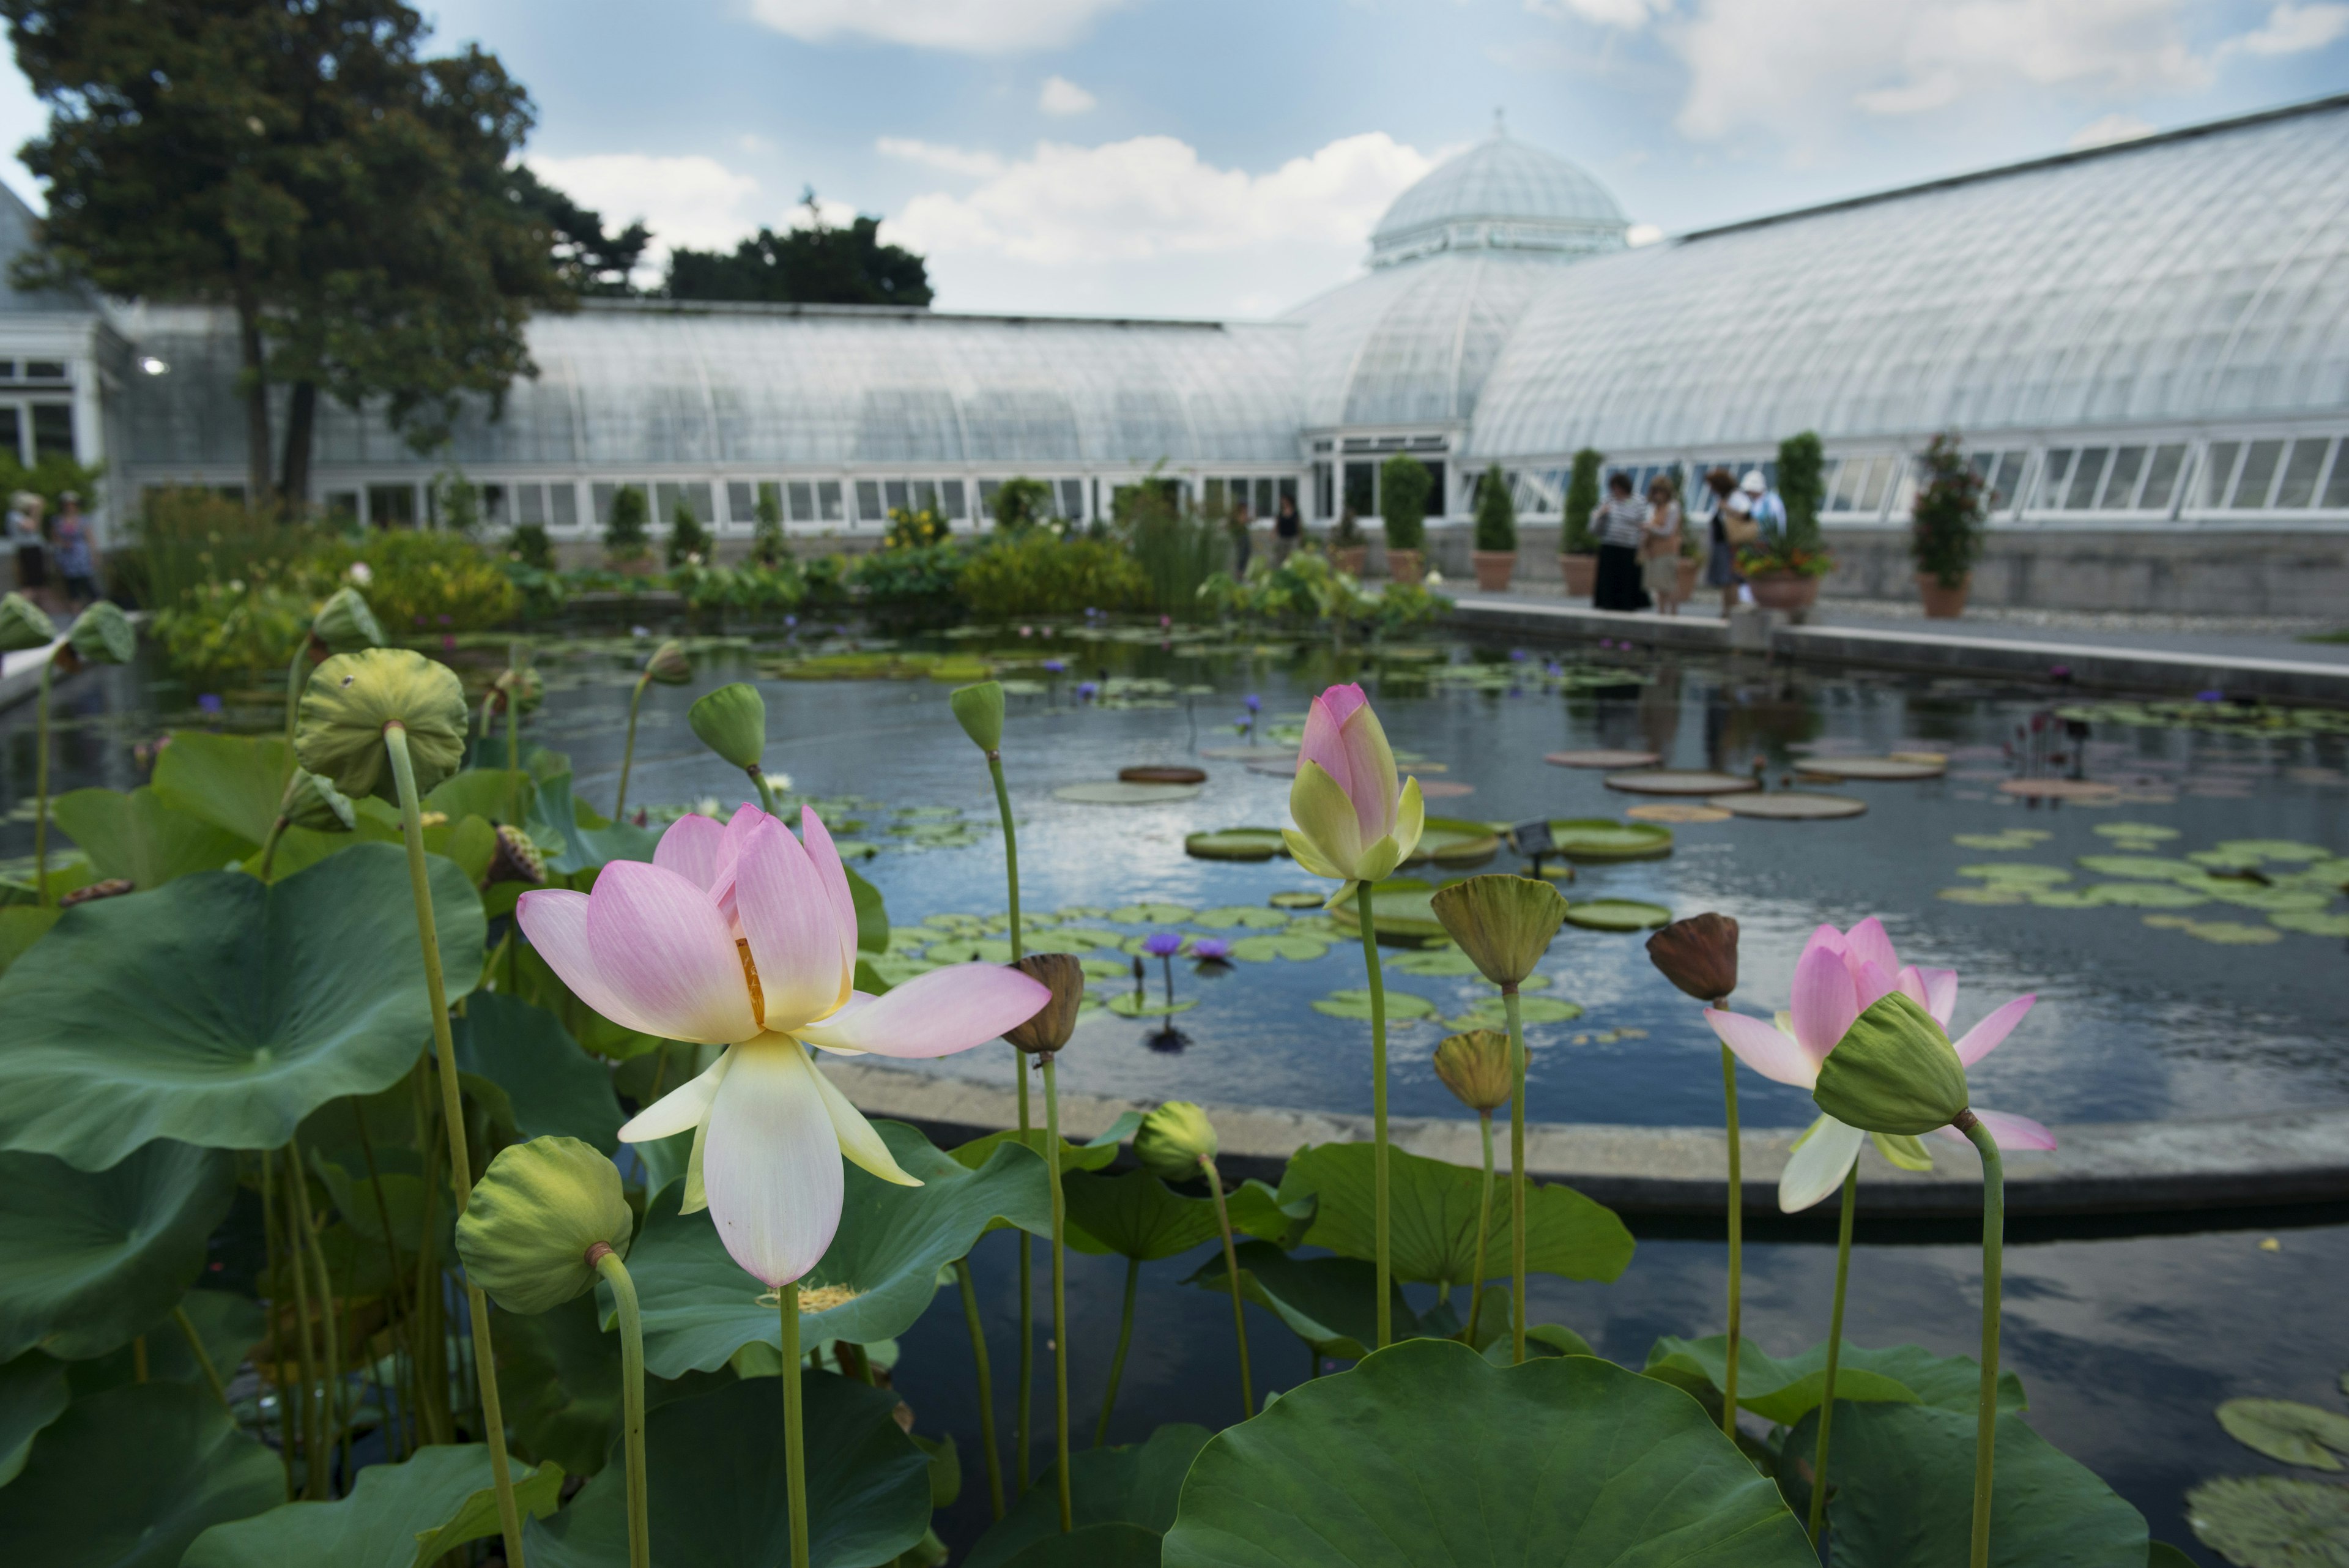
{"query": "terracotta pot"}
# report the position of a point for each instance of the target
(1404, 566)
(1581, 575)
(1350, 558)
(1494, 568)
(1784, 590)
(1685, 588)
(1940, 603)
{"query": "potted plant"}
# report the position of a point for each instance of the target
(1403, 484)
(1784, 568)
(1945, 536)
(627, 546)
(1578, 551)
(1495, 556)
(1347, 547)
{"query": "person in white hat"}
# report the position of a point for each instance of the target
(1769, 511)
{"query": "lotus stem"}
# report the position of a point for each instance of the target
(453, 1118)
(1518, 1179)
(296, 673)
(285, 1432)
(1483, 1227)
(1061, 1301)
(1023, 1406)
(628, 751)
(329, 1335)
(1834, 1351)
(295, 1259)
(1736, 1245)
(632, 1396)
(978, 1327)
(1117, 1362)
(1993, 1247)
(795, 1445)
(203, 1357)
(1232, 1275)
(766, 790)
(514, 710)
(41, 790)
(1384, 1266)
(269, 847)
(396, 1320)
(139, 1359)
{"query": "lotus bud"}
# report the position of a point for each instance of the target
(1475, 1066)
(353, 697)
(668, 666)
(1051, 1024)
(1699, 955)
(980, 710)
(102, 634)
(733, 721)
(24, 624)
(1893, 1072)
(534, 1218)
(517, 859)
(1173, 1139)
(112, 888)
(311, 802)
(1504, 923)
(344, 624)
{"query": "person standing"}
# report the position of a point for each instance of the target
(77, 568)
(32, 550)
(1621, 524)
(1237, 526)
(1767, 509)
(1721, 557)
(1661, 569)
(1288, 527)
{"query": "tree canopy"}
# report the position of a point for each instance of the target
(816, 265)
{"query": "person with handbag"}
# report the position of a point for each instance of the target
(1660, 551)
(1732, 524)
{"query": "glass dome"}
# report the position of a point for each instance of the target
(1500, 195)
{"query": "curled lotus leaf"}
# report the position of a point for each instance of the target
(395, 1516)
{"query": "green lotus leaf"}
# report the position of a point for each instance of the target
(1104, 969)
(2314, 925)
(1257, 1210)
(96, 1257)
(1617, 915)
(280, 998)
(33, 1394)
(1434, 1218)
(139, 837)
(1356, 1004)
(1285, 945)
(230, 1325)
(1325, 1301)
(1425, 1454)
(1784, 1391)
(2149, 831)
(1995, 895)
(1135, 1488)
(1134, 1215)
(128, 1479)
(582, 840)
(495, 793)
(2264, 1520)
(1296, 899)
(2230, 933)
(1902, 1493)
(2065, 898)
(520, 1062)
(2272, 900)
(2161, 1555)
(1096, 1153)
(2286, 1430)
(1248, 916)
(22, 925)
(102, 634)
(559, 1378)
(1150, 914)
(233, 782)
(700, 1307)
(715, 1491)
(1111, 1545)
(406, 1515)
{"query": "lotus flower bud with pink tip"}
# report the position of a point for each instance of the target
(1354, 823)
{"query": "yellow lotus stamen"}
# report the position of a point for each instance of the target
(813, 1298)
(751, 975)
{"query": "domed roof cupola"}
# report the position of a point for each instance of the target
(1500, 194)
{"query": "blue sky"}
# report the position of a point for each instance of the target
(1210, 156)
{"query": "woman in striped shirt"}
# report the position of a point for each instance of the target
(1620, 524)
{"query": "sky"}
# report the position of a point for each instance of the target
(1229, 158)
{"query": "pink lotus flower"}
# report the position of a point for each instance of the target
(1352, 821)
(744, 936)
(1839, 975)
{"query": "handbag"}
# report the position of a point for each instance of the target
(1739, 529)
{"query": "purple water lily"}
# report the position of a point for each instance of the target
(1056, 667)
(1163, 944)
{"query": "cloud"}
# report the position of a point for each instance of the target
(1146, 224)
(1627, 13)
(1640, 234)
(964, 26)
(694, 201)
(1061, 96)
(2110, 129)
(2292, 30)
(933, 155)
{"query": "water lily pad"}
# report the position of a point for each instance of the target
(2062, 899)
(2314, 925)
(2021, 873)
(1126, 1004)
(97, 1257)
(397, 1516)
(1248, 917)
(2272, 1521)
(282, 997)
(1668, 781)
(1424, 1453)
(2136, 832)
(1890, 770)
(1617, 915)
(1237, 844)
(2287, 1431)
(1445, 962)
(981, 950)
(700, 1307)
(2231, 933)
(1993, 894)
(1493, 1013)
(140, 838)
(129, 1478)
(1673, 811)
(1602, 757)
(1356, 1004)
(1328, 1303)
(2010, 838)
(2267, 900)
(2144, 895)
(1792, 805)
(1117, 1492)
(1404, 909)
(1601, 838)
(1295, 900)
(1287, 945)
(2273, 848)
(2146, 866)
(1104, 968)
(1455, 841)
(1116, 792)
(33, 1393)
(1150, 914)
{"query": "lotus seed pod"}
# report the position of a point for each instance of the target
(1173, 1139)
(1051, 1024)
(1893, 1072)
(669, 665)
(980, 710)
(24, 624)
(1699, 955)
(517, 859)
(525, 688)
(1504, 923)
(526, 1231)
(733, 721)
(344, 624)
(353, 697)
(102, 634)
(311, 802)
(1475, 1066)
(112, 888)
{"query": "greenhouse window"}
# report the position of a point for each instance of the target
(562, 505)
(2259, 473)
(2298, 486)
(868, 502)
(2161, 477)
(2220, 472)
(951, 492)
(2086, 473)
(803, 498)
(2120, 485)
(828, 501)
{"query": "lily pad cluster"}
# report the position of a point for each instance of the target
(2297, 886)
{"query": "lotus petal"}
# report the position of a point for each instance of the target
(1822, 1156)
(934, 1014)
(771, 1166)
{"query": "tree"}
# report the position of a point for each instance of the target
(624, 531)
(588, 261)
(1404, 484)
(687, 537)
(816, 265)
(1581, 501)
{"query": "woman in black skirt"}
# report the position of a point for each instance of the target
(1620, 524)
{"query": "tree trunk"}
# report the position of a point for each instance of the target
(301, 421)
(256, 404)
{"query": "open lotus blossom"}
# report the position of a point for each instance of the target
(745, 937)
(1353, 822)
(1839, 975)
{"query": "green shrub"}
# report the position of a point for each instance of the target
(1020, 504)
(1406, 607)
(687, 539)
(1581, 501)
(459, 503)
(826, 577)
(1036, 573)
(752, 588)
(1496, 513)
(1176, 549)
(1946, 531)
(194, 537)
(234, 627)
(1802, 485)
(1403, 483)
(419, 584)
(626, 533)
(918, 584)
(542, 591)
(911, 530)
